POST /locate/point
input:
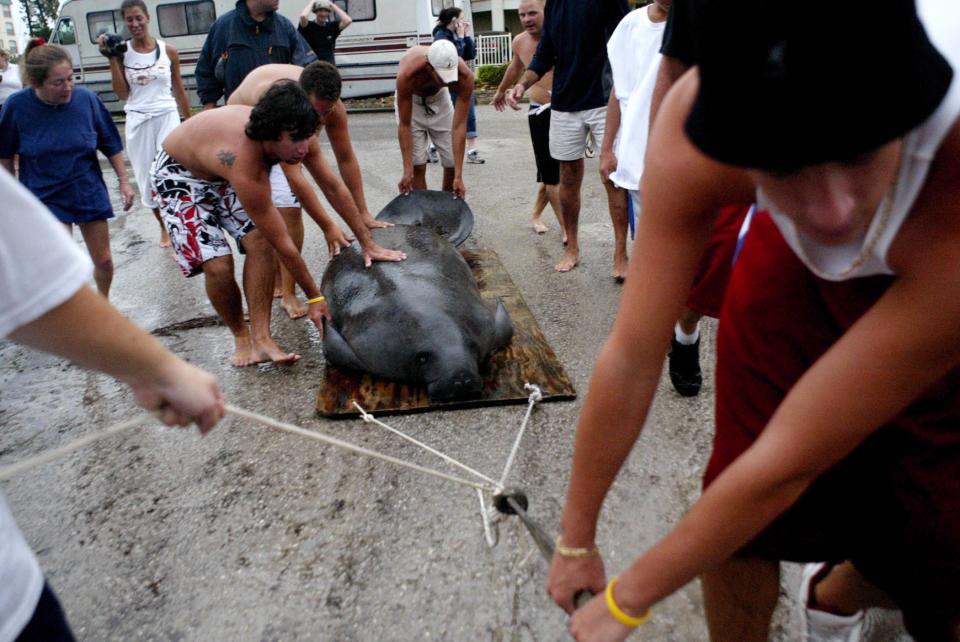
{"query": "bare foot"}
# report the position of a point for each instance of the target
(243, 354)
(277, 290)
(539, 227)
(620, 269)
(165, 240)
(267, 350)
(569, 260)
(292, 305)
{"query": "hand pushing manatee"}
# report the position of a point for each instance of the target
(421, 320)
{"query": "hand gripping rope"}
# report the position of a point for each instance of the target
(505, 501)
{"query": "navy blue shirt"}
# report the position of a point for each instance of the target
(58, 151)
(574, 45)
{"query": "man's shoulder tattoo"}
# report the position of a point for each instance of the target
(226, 157)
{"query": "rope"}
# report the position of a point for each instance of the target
(333, 441)
(536, 395)
(367, 417)
(38, 460)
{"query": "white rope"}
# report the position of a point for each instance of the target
(491, 530)
(536, 395)
(367, 417)
(38, 460)
(333, 441)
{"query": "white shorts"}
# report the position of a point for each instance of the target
(568, 132)
(144, 136)
(432, 115)
(280, 192)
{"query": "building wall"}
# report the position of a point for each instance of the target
(8, 27)
(482, 21)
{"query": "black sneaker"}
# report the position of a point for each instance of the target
(685, 368)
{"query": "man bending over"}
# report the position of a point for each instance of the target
(212, 177)
(423, 107)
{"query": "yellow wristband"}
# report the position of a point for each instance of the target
(316, 299)
(575, 553)
(618, 614)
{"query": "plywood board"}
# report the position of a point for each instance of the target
(528, 358)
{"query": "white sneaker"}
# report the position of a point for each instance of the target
(820, 626)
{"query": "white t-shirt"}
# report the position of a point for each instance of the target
(9, 81)
(40, 268)
(149, 77)
(634, 54)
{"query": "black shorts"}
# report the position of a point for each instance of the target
(548, 168)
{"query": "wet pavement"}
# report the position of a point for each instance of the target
(252, 534)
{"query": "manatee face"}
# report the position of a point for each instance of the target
(421, 320)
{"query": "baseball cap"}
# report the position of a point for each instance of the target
(783, 85)
(442, 56)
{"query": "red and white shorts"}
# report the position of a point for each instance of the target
(196, 213)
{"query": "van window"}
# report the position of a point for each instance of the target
(65, 34)
(100, 22)
(186, 18)
(359, 10)
(440, 5)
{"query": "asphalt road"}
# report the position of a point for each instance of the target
(250, 534)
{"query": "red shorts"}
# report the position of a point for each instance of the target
(713, 273)
(892, 507)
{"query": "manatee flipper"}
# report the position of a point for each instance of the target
(502, 326)
(338, 352)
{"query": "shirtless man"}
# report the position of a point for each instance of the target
(322, 83)
(548, 168)
(423, 106)
(212, 176)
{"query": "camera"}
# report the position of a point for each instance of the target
(113, 46)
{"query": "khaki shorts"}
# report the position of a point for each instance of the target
(568, 132)
(431, 116)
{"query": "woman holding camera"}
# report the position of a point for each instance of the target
(57, 130)
(145, 72)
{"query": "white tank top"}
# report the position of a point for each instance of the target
(867, 256)
(149, 79)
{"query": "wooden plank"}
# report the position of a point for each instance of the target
(528, 358)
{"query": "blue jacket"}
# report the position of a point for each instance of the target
(244, 44)
(466, 48)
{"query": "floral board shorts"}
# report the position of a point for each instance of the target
(196, 213)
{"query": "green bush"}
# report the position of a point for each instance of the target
(490, 74)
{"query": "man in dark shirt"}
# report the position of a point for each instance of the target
(250, 35)
(573, 44)
(322, 35)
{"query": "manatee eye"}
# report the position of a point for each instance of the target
(423, 358)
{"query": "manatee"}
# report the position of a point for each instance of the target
(447, 216)
(421, 320)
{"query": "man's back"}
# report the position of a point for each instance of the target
(213, 145)
(256, 83)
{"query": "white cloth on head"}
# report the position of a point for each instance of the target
(941, 19)
(634, 54)
(40, 268)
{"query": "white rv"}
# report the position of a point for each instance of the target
(367, 52)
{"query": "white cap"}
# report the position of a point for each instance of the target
(442, 56)
(321, 5)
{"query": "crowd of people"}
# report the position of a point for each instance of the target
(767, 189)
